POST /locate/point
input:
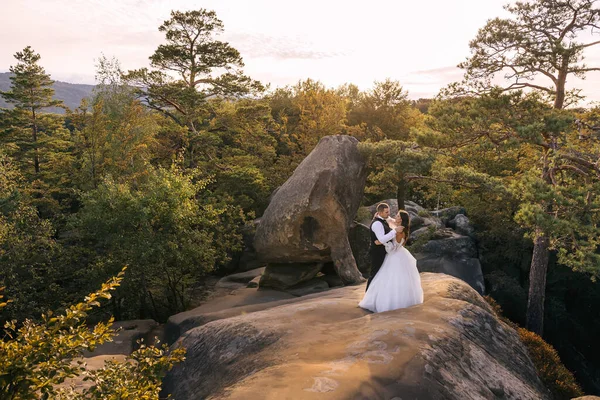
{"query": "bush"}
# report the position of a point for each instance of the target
(548, 365)
(553, 373)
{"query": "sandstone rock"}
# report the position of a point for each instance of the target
(448, 243)
(416, 222)
(125, 341)
(452, 254)
(333, 280)
(413, 207)
(253, 283)
(467, 269)
(308, 218)
(285, 275)
(249, 259)
(462, 225)
(239, 280)
(415, 235)
(314, 285)
(240, 302)
(324, 346)
(447, 214)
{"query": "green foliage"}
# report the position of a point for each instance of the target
(38, 142)
(36, 357)
(242, 154)
(139, 377)
(424, 213)
(393, 165)
(383, 112)
(517, 152)
(205, 68)
(305, 113)
(118, 144)
(363, 214)
(159, 228)
(31, 86)
(31, 92)
(27, 250)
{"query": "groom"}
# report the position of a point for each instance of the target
(381, 231)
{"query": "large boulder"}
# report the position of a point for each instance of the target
(323, 346)
(309, 216)
(452, 254)
(462, 225)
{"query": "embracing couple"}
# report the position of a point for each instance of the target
(394, 281)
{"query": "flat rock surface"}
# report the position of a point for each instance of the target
(323, 346)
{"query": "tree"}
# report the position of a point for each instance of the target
(394, 164)
(243, 141)
(382, 118)
(384, 112)
(117, 136)
(523, 148)
(303, 114)
(540, 42)
(205, 68)
(27, 250)
(164, 230)
(31, 92)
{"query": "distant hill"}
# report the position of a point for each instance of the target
(70, 93)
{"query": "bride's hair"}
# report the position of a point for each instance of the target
(405, 222)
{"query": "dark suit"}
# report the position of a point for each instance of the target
(376, 252)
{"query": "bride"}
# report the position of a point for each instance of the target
(397, 284)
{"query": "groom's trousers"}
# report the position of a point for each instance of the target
(377, 258)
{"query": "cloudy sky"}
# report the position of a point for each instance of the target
(417, 43)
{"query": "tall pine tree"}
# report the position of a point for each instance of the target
(31, 92)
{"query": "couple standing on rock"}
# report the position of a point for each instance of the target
(394, 281)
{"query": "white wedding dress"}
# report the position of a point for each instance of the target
(397, 284)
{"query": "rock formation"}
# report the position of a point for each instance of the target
(308, 218)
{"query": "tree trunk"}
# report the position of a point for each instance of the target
(559, 100)
(537, 283)
(401, 193)
(36, 157)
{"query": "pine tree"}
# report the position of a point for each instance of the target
(31, 92)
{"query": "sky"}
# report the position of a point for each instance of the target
(418, 43)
